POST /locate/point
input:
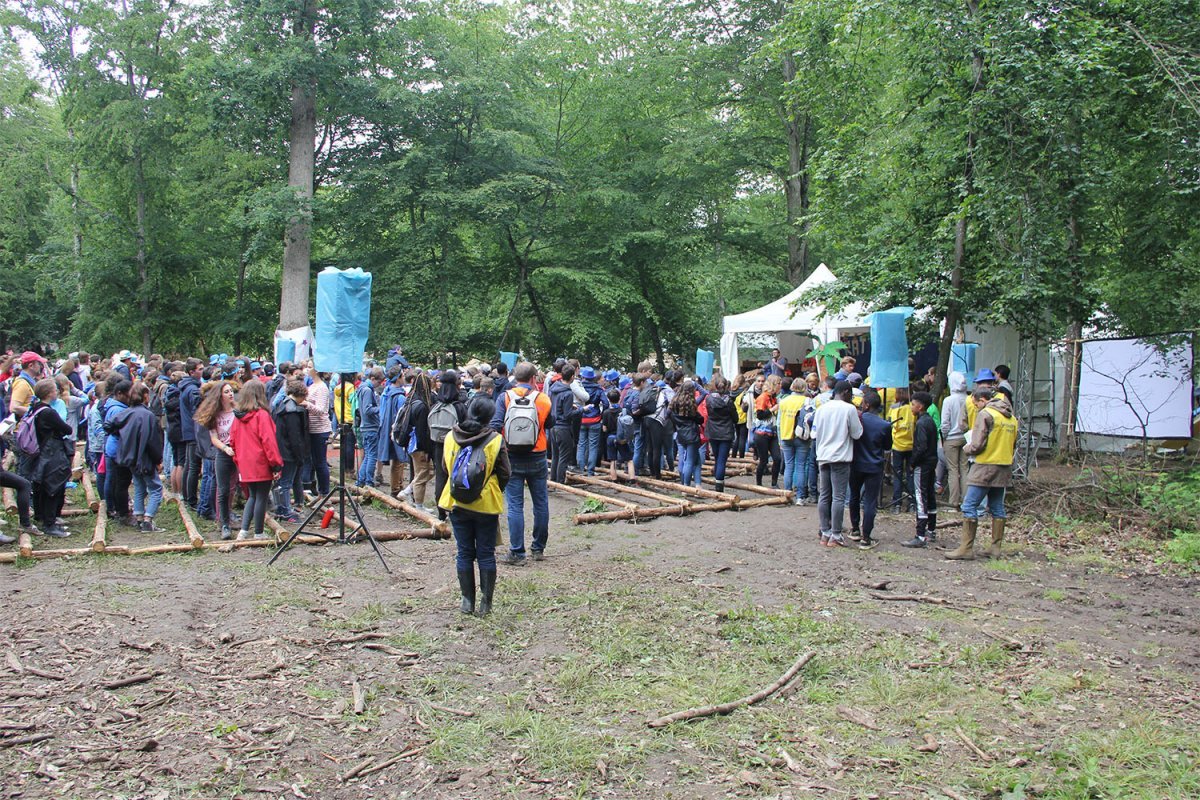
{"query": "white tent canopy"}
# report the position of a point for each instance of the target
(779, 316)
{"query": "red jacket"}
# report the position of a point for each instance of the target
(255, 450)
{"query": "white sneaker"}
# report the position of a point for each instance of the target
(243, 536)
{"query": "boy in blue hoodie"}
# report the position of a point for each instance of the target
(587, 453)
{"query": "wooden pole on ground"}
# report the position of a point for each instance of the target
(679, 487)
(98, 536)
(89, 491)
(630, 513)
(10, 500)
(25, 545)
(748, 487)
(575, 490)
(414, 512)
(189, 525)
(626, 489)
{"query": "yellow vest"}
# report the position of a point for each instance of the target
(788, 408)
(491, 501)
(1002, 440)
(739, 409)
(902, 421)
(972, 412)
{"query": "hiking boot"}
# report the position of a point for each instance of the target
(512, 559)
(867, 543)
(487, 587)
(466, 588)
(719, 486)
(148, 526)
(31, 529)
(916, 541)
(130, 522)
(537, 555)
(226, 533)
(997, 536)
(966, 545)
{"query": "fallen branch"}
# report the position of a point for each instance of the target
(130, 681)
(458, 712)
(913, 598)
(725, 708)
(858, 717)
(360, 698)
(393, 760)
(20, 740)
(971, 744)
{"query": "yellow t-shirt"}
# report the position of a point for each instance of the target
(22, 392)
(903, 422)
(788, 408)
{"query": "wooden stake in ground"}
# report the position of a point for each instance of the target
(725, 708)
(25, 545)
(189, 525)
(10, 500)
(89, 491)
(98, 536)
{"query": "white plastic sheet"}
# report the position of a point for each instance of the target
(1128, 387)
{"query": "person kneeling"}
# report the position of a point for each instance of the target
(476, 461)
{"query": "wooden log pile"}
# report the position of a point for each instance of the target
(696, 499)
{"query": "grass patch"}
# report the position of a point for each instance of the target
(1057, 595)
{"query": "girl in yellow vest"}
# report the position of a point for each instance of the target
(992, 442)
(901, 416)
(474, 497)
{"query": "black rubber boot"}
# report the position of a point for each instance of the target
(720, 486)
(466, 586)
(487, 586)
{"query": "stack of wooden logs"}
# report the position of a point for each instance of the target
(694, 499)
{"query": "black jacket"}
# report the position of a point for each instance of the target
(722, 419)
(418, 420)
(291, 432)
(562, 403)
(687, 428)
(872, 448)
(55, 451)
(925, 441)
(140, 448)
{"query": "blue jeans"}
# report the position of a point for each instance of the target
(638, 448)
(972, 507)
(864, 497)
(287, 488)
(792, 463)
(812, 471)
(205, 501)
(720, 456)
(318, 468)
(475, 535)
(689, 464)
(147, 494)
(369, 440)
(527, 468)
(587, 453)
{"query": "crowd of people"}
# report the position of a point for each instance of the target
(471, 444)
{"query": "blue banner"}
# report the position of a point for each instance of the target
(704, 364)
(343, 319)
(889, 348)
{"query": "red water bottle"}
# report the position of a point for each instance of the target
(325, 520)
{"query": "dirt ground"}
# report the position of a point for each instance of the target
(1040, 674)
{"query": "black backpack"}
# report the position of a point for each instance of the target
(171, 410)
(402, 427)
(470, 472)
(648, 401)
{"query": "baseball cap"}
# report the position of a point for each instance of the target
(28, 357)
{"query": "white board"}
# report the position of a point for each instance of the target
(1128, 387)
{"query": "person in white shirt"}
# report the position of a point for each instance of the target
(835, 427)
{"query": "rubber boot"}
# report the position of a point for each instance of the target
(997, 536)
(966, 546)
(720, 486)
(466, 586)
(487, 586)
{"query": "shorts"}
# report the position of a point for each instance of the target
(179, 453)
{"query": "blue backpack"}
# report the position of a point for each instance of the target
(469, 473)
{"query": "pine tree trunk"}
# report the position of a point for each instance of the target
(143, 274)
(297, 244)
(797, 130)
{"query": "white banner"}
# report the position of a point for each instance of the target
(1129, 387)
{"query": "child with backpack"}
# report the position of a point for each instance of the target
(446, 412)
(795, 439)
(619, 433)
(411, 431)
(140, 451)
(117, 478)
(291, 434)
(476, 460)
(591, 414)
(44, 437)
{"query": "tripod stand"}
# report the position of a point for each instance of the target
(343, 497)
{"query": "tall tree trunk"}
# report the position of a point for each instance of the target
(954, 306)
(297, 244)
(243, 263)
(143, 288)
(797, 132)
(634, 356)
(1069, 446)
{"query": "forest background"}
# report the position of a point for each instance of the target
(602, 179)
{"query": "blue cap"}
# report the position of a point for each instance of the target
(223, 357)
(214, 358)
(587, 373)
(625, 382)
(985, 374)
(611, 375)
(255, 365)
(661, 384)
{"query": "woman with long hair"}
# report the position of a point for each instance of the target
(446, 412)
(141, 453)
(291, 433)
(766, 431)
(420, 446)
(722, 428)
(256, 454)
(216, 414)
(319, 402)
(52, 464)
(687, 421)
